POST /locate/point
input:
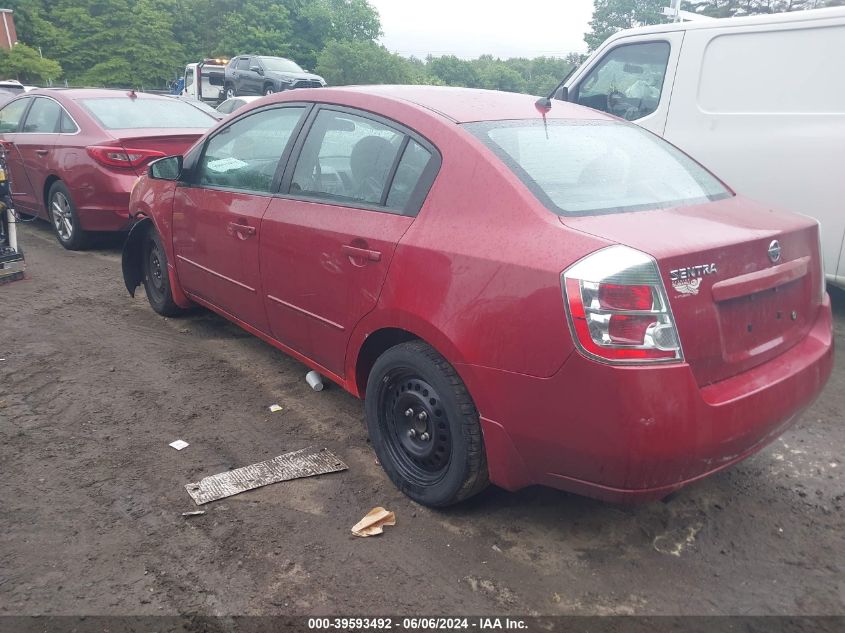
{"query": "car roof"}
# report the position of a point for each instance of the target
(462, 105)
(746, 20)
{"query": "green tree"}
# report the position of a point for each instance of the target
(26, 65)
(363, 62)
(610, 16)
(453, 71)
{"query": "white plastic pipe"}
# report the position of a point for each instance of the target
(13, 230)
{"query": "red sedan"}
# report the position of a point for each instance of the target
(522, 294)
(75, 154)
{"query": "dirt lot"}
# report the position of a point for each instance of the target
(95, 386)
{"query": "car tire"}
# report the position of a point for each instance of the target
(156, 278)
(268, 90)
(230, 92)
(64, 219)
(434, 454)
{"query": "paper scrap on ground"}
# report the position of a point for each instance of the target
(274, 408)
(179, 444)
(194, 513)
(374, 522)
(305, 462)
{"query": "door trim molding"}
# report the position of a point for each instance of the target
(307, 313)
(216, 274)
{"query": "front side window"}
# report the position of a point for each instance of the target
(115, 113)
(10, 116)
(346, 158)
(246, 154)
(243, 63)
(189, 78)
(585, 167)
(43, 117)
(627, 82)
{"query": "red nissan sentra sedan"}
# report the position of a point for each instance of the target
(74, 154)
(522, 298)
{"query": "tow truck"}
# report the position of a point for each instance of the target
(204, 80)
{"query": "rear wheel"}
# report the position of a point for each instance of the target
(268, 89)
(424, 426)
(156, 278)
(64, 218)
(230, 91)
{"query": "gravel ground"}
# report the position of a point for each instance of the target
(95, 385)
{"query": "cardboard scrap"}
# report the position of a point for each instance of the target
(306, 462)
(373, 523)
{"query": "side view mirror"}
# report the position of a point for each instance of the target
(257, 69)
(562, 93)
(167, 168)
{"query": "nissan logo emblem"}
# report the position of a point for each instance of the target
(774, 251)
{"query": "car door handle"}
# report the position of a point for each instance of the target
(243, 231)
(41, 152)
(365, 253)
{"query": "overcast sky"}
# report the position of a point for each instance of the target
(469, 28)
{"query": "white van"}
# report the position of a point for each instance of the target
(758, 100)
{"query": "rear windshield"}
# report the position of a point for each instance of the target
(588, 167)
(116, 113)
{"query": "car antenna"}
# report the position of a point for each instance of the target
(543, 105)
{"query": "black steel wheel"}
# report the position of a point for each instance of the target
(424, 426)
(156, 278)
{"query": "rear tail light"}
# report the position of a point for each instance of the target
(122, 157)
(618, 310)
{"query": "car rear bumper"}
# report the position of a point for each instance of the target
(635, 433)
(105, 219)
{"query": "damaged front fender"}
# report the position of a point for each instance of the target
(133, 254)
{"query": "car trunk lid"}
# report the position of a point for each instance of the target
(173, 142)
(735, 306)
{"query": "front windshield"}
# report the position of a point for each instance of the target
(280, 64)
(582, 167)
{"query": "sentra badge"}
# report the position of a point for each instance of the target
(687, 280)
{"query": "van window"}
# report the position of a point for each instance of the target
(578, 167)
(628, 80)
(764, 72)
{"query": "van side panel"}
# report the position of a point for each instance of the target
(763, 106)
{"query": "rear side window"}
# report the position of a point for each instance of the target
(10, 116)
(246, 154)
(415, 160)
(66, 125)
(346, 158)
(43, 117)
(587, 167)
(114, 113)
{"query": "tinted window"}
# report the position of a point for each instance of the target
(127, 113)
(346, 158)
(245, 155)
(66, 125)
(411, 168)
(43, 117)
(628, 81)
(581, 167)
(243, 63)
(11, 115)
